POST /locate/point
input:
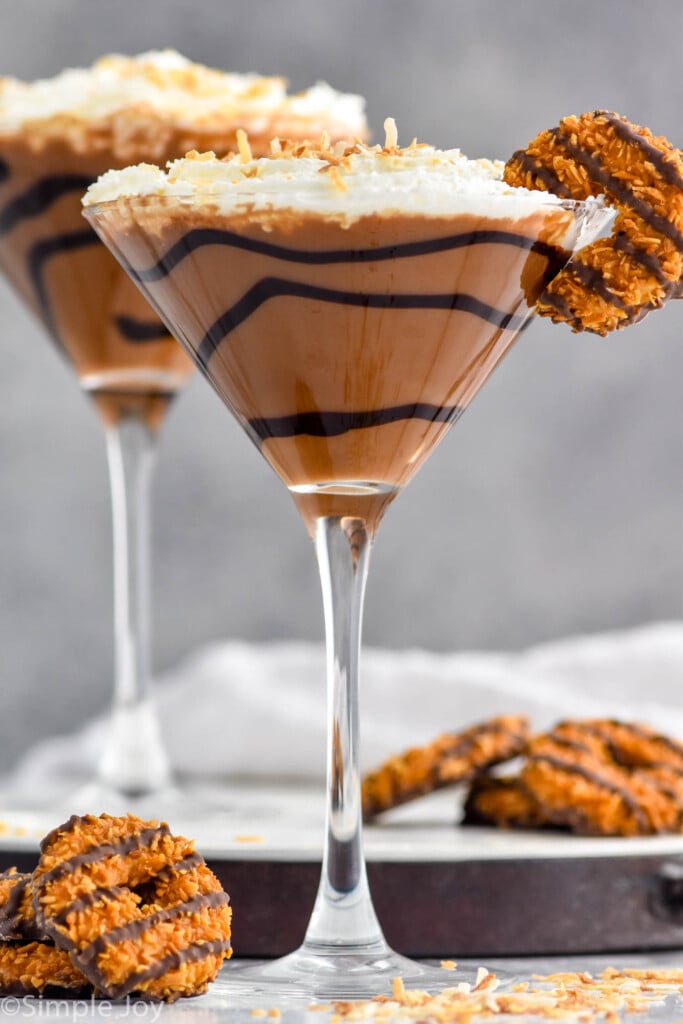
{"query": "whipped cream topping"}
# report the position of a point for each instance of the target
(350, 180)
(169, 85)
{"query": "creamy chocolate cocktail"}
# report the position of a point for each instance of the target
(346, 303)
(58, 136)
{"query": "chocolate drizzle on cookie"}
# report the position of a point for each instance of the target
(593, 277)
(543, 174)
(10, 910)
(659, 159)
(598, 779)
(447, 760)
(139, 841)
(17, 920)
(648, 260)
(126, 899)
(217, 948)
(619, 189)
(86, 902)
(642, 176)
(136, 929)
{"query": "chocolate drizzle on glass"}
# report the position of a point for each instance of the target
(138, 332)
(38, 197)
(197, 238)
(36, 201)
(39, 254)
(332, 424)
(273, 287)
(327, 422)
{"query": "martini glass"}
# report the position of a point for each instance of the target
(125, 359)
(346, 348)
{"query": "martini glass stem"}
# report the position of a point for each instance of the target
(134, 760)
(343, 919)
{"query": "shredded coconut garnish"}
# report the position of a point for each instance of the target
(246, 156)
(343, 181)
(390, 134)
(347, 179)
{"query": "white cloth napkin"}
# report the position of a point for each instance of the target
(237, 709)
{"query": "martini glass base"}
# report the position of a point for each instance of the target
(319, 973)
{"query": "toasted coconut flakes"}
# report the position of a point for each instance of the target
(567, 994)
(338, 180)
(246, 155)
(390, 134)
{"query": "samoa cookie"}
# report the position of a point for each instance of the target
(17, 915)
(631, 744)
(136, 908)
(449, 759)
(504, 802)
(582, 791)
(40, 969)
(615, 281)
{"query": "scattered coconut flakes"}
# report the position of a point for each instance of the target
(246, 155)
(482, 974)
(390, 133)
(578, 995)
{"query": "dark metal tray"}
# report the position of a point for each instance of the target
(439, 890)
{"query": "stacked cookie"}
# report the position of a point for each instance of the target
(116, 907)
(591, 777)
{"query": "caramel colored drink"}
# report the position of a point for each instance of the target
(121, 352)
(151, 108)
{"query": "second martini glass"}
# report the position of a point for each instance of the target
(56, 137)
(126, 360)
(346, 306)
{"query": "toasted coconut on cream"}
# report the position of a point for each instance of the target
(347, 177)
(134, 104)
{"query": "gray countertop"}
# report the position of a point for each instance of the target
(219, 1008)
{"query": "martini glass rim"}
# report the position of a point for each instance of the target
(226, 201)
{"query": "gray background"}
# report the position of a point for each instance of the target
(555, 506)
